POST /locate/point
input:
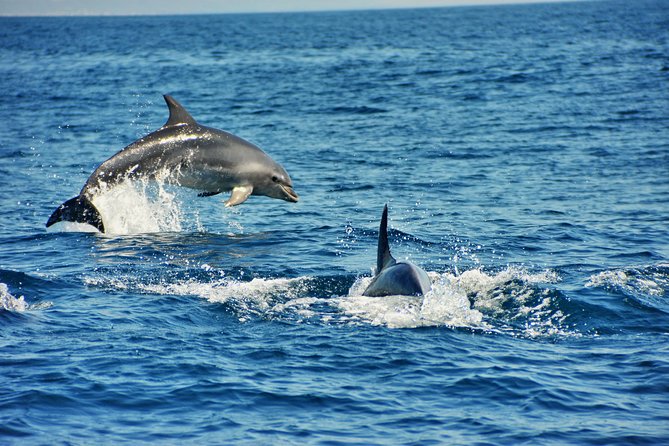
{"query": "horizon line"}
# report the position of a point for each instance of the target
(459, 4)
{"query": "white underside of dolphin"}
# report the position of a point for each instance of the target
(184, 153)
(393, 277)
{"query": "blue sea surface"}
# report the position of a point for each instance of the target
(523, 151)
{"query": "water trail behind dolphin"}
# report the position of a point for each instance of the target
(512, 301)
(140, 206)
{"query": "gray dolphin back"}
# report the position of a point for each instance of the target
(392, 277)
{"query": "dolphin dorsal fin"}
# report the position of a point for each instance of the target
(383, 256)
(178, 114)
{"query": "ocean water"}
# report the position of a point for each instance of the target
(524, 155)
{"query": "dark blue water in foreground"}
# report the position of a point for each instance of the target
(524, 154)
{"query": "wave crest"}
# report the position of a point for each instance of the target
(646, 285)
(9, 302)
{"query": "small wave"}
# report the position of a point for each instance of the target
(514, 301)
(18, 153)
(8, 302)
(361, 110)
(257, 297)
(258, 294)
(646, 285)
(653, 281)
(515, 78)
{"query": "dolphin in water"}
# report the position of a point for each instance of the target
(393, 277)
(187, 154)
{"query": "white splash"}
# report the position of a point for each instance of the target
(473, 299)
(9, 302)
(443, 305)
(631, 281)
(261, 297)
(70, 226)
(259, 291)
(492, 291)
(17, 304)
(139, 207)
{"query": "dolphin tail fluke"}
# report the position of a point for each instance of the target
(383, 256)
(79, 210)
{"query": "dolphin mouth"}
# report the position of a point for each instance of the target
(290, 194)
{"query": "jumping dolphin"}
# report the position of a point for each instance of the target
(187, 154)
(393, 277)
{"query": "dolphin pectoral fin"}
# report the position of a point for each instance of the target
(208, 194)
(239, 195)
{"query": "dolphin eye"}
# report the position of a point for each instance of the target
(275, 178)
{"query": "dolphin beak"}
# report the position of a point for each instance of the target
(290, 194)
